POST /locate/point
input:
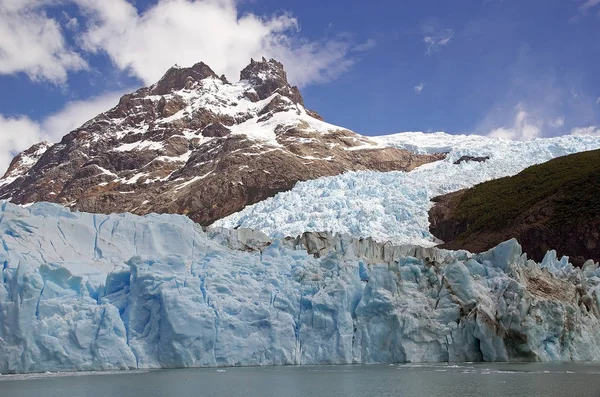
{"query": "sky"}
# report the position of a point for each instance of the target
(517, 69)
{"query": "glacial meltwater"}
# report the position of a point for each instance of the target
(406, 380)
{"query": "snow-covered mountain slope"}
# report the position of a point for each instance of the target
(23, 162)
(196, 144)
(89, 292)
(394, 206)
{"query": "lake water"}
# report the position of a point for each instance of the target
(447, 380)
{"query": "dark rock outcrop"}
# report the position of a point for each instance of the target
(178, 78)
(216, 130)
(269, 77)
(471, 158)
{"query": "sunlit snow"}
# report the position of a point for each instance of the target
(394, 206)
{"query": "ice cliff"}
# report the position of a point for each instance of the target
(92, 292)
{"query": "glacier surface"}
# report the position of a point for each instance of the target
(103, 292)
(393, 206)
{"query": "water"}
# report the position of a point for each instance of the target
(447, 380)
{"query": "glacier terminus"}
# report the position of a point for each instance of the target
(82, 292)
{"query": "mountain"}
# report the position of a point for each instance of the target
(554, 205)
(393, 206)
(196, 144)
(98, 292)
(23, 162)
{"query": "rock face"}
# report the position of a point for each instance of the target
(195, 144)
(553, 205)
(95, 292)
(472, 158)
(23, 162)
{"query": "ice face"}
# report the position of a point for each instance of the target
(393, 206)
(90, 292)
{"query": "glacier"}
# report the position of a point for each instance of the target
(106, 292)
(393, 206)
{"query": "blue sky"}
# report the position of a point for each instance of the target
(511, 68)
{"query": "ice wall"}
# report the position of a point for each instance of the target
(91, 292)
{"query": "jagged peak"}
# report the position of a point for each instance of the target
(22, 162)
(265, 77)
(268, 77)
(264, 70)
(177, 78)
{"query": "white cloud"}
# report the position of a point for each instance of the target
(419, 88)
(546, 95)
(16, 135)
(588, 4)
(366, 46)
(75, 113)
(169, 32)
(185, 32)
(598, 101)
(583, 9)
(20, 133)
(33, 43)
(557, 123)
(434, 42)
(591, 130)
(524, 128)
(71, 23)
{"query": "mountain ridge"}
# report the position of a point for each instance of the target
(195, 144)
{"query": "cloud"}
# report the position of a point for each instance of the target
(366, 46)
(16, 135)
(20, 133)
(598, 101)
(76, 113)
(557, 123)
(419, 88)
(583, 10)
(593, 130)
(543, 93)
(146, 43)
(213, 31)
(434, 42)
(33, 43)
(523, 128)
(588, 4)
(70, 23)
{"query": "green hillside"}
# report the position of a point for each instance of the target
(555, 205)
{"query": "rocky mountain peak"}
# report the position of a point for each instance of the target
(196, 144)
(260, 71)
(268, 77)
(24, 161)
(178, 78)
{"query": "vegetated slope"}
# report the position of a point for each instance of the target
(196, 144)
(555, 205)
(98, 292)
(393, 206)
